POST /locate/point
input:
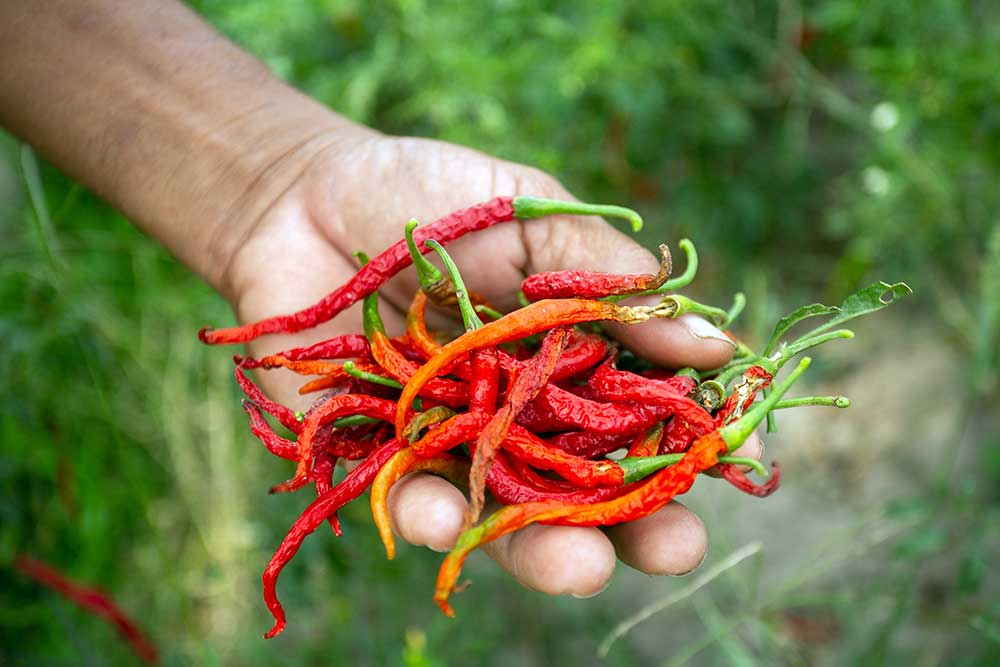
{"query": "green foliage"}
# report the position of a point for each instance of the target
(808, 150)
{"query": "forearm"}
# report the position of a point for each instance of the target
(154, 111)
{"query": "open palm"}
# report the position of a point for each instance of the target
(358, 197)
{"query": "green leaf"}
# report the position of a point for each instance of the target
(793, 318)
(874, 297)
(868, 300)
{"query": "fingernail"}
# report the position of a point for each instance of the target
(704, 557)
(585, 596)
(703, 329)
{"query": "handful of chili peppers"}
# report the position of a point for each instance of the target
(534, 406)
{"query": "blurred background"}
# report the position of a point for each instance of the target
(807, 149)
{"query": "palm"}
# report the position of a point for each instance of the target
(301, 250)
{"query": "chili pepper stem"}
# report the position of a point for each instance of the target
(736, 433)
(527, 208)
(428, 275)
(470, 319)
(825, 401)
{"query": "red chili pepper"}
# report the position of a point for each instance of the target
(583, 352)
(589, 444)
(91, 600)
(278, 411)
(648, 443)
(280, 447)
(732, 474)
(645, 499)
(348, 346)
(337, 406)
(404, 462)
(524, 385)
(397, 257)
(322, 476)
(624, 418)
(484, 385)
(532, 478)
(349, 488)
(508, 487)
(593, 285)
(612, 384)
(533, 318)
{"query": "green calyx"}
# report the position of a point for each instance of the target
(429, 276)
(527, 208)
(736, 433)
(369, 307)
(469, 316)
(823, 401)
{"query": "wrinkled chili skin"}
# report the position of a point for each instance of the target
(510, 489)
(534, 318)
(646, 497)
(590, 444)
(371, 276)
(348, 346)
(592, 284)
(278, 411)
(739, 479)
(350, 488)
(484, 383)
(524, 385)
(612, 384)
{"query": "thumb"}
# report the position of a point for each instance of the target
(591, 244)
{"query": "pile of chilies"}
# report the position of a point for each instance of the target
(527, 405)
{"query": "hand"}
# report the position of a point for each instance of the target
(357, 195)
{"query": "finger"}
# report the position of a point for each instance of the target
(557, 560)
(426, 511)
(670, 541)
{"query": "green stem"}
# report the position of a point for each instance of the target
(737, 432)
(490, 312)
(354, 371)
(682, 305)
(825, 401)
(428, 275)
(739, 302)
(527, 208)
(788, 351)
(641, 467)
(754, 464)
(689, 372)
(369, 307)
(469, 317)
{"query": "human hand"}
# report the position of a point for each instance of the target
(355, 195)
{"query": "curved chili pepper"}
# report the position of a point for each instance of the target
(405, 461)
(348, 346)
(643, 500)
(322, 476)
(274, 443)
(510, 488)
(583, 352)
(532, 376)
(278, 411)
(739, 479)
(532, 478)
(625, 418)
(592, 284)
(397, 257)
(347, 490)
(589, 444)
(91, 600)
(532, 319)
(648, 443)
(615, 385)
(337, 406)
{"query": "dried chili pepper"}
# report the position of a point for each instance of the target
(532, 376)
(278, 411)
(397, 257)
(593, 285)
(645, 499)
(91, 600)
(349, 488)
(405, 461)
(648, 443)
(338, 406)
(533, 318)
(347, 346)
